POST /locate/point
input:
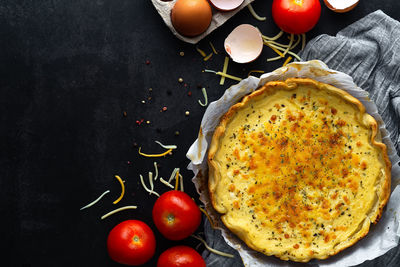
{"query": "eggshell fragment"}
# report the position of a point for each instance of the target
(226, 5)
(244, 44)
(341, 6)
(191, 17)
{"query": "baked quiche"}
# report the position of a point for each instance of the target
(297, 170)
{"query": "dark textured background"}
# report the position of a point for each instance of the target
(68, 71)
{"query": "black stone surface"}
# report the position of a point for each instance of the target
(68, 72)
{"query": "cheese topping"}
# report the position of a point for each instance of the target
(298, 173)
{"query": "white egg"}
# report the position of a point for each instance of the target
(226, 5)
(244, 44)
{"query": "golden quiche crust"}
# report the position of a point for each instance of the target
(297, 170)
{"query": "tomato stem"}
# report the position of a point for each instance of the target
(170, 218)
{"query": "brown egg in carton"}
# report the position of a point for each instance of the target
(219, 17)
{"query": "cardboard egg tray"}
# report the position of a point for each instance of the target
(218, 18)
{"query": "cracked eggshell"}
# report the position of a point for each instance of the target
(226, 5)
(244, 44)
(341, 6)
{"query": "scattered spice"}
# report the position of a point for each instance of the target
(164, 109)
(143, 102)
(147, 122)
(124, 114)
(187, 113)
(181, 53)
(180, 80)
(176, 133)
(147, 62)
(139, 122)
(189, 93)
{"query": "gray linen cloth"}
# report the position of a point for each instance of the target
(369, 51)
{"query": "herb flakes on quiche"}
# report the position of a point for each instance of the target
(297, 170)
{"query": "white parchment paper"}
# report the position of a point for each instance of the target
(218, 18)
(381, 238)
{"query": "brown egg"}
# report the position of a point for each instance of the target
(191, 17)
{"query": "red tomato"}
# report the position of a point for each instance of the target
(180, 256)
(131, 242)
(296, 16)
(176, 215)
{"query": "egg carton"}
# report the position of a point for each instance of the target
(218, 18)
